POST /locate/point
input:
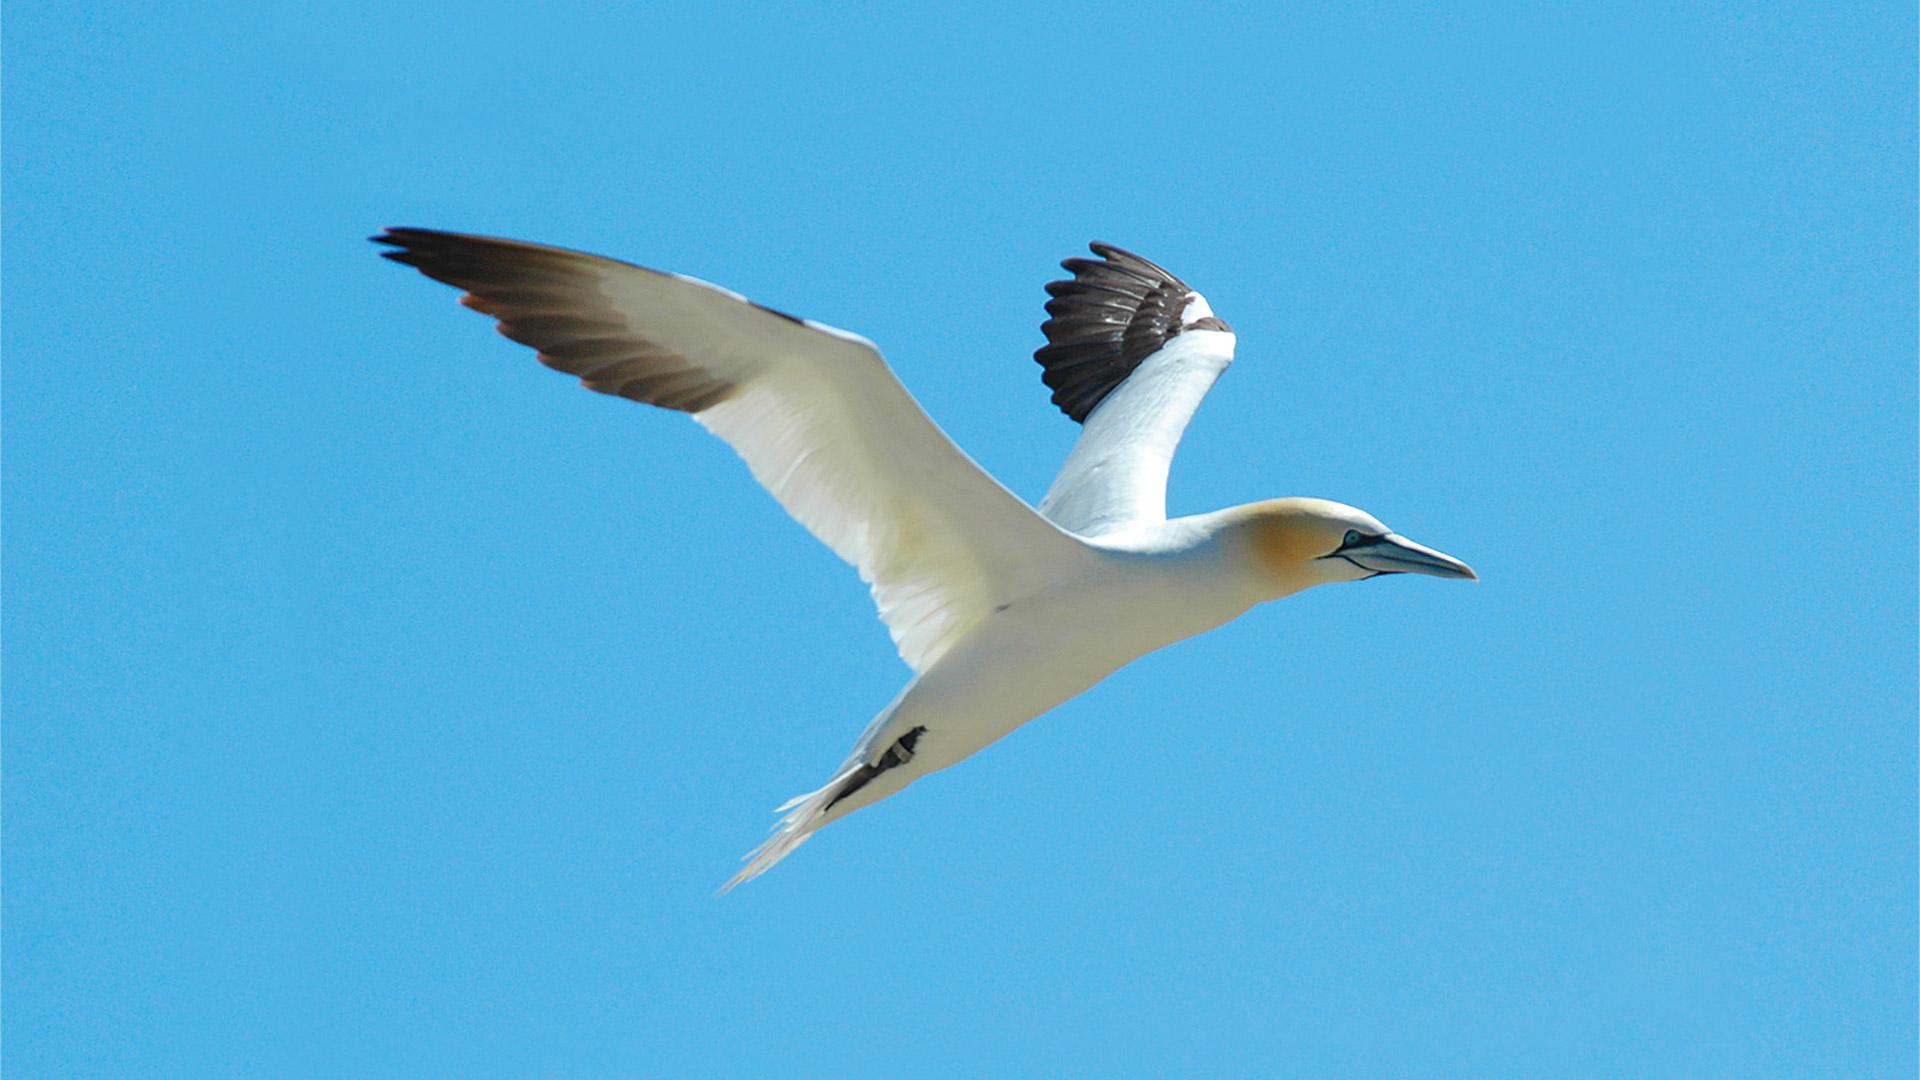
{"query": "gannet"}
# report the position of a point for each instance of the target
(1001, 610)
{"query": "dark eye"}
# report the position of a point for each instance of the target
(1354, 536)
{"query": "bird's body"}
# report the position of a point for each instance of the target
(1124, 601)
(1002, 611)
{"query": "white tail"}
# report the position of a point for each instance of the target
(805, 814)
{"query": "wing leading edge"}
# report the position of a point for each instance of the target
(1131, 350)
(819, 418)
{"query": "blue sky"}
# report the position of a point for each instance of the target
(381, 704)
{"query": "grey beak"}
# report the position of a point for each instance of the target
(1395, 554)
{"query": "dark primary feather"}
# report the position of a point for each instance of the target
(1116, 312)
(551, 298)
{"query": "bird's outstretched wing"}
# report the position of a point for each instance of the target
(1130, 352)
(819, 418)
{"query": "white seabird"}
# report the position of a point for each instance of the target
(1001, 610)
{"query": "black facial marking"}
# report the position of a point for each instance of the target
(1371, 572)
(1355, 538)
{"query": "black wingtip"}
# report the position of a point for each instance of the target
(1116, 311)
(403, 243)
(1119, 256)
(396, 235)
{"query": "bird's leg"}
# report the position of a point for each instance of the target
(898, 754)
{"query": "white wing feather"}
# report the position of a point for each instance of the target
(1115, 477)
(853, 458)
(819, 418)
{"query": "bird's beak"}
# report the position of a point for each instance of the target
(1395, 554)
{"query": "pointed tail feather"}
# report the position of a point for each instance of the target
(804, 814)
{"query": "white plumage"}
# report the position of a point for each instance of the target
(1115, 477)
(1002, 612)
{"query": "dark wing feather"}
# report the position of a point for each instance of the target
(551, 299)
(1116, 312)
(814, 411)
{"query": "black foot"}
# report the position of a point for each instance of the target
(898, 754)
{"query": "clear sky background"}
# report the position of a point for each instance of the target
(380, 704)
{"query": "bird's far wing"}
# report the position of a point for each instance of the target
(821, 421)
(1130, 352)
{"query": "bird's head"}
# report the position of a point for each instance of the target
(1295, 544)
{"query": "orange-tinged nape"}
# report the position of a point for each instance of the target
(1289, 537)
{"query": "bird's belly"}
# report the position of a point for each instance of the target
(1038, 653)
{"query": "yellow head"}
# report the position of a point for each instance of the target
(1295, 544)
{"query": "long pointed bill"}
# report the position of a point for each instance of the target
(1395, 554)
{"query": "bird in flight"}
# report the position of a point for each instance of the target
(1002, 610)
